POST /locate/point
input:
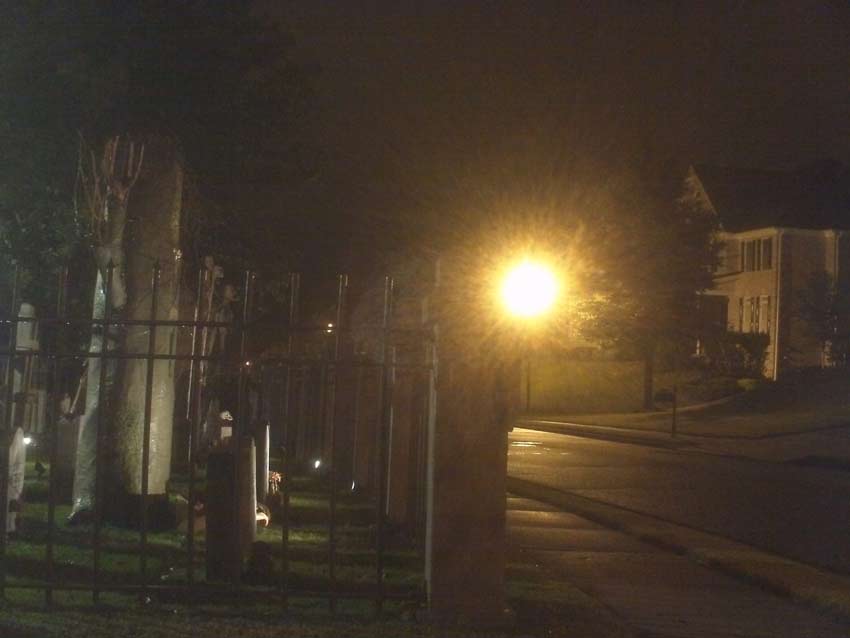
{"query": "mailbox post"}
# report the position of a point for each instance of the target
(671, 397)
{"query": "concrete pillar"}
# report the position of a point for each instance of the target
(68, 431)
(231, 493)
(465, 519)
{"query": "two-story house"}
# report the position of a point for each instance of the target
(778, 228)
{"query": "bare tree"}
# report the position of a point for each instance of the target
(131, 194)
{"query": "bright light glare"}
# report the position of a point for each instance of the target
(27, 440)
(529, 289)
(317, 464)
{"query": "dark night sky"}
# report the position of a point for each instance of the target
(764, 84)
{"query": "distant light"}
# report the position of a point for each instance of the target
(529, 289)
(27, 440)
(317, 463)
(330, 325)
(353, 485)
(330, 328)
(247, 363)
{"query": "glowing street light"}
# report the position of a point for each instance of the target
(529, 289)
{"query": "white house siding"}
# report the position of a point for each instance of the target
(743, 288)
(796, 256)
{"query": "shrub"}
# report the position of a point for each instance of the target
(740, 354)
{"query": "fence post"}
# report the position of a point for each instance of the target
(6, 432)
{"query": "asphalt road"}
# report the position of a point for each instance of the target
(802, 513)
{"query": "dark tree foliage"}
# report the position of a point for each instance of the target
(214, 76)
(571, 182)
(657, 253)
(824, 307)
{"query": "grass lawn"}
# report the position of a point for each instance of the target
(168, 559)
(543, 607)
(814, 400)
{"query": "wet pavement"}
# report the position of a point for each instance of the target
(798, 512)
(656, 593)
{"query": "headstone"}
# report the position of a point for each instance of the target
(25, 412)
(15, 490)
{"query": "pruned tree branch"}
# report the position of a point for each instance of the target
(105, 183)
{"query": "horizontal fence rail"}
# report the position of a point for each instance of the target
(335, 410)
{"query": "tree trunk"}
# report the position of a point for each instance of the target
(98, 399)
(86, 459)
(154, 236)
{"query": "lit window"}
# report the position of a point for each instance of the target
(756, 254)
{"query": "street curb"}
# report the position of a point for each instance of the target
(805, 584)
(531, 422)
(651, 438)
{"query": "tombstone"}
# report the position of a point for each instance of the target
(15, 488)
(26, 410)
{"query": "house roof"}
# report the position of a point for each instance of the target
(816, 196)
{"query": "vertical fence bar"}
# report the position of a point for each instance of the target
(286, 474)
(318, 439)
(385, 400)
(56, 377)
(422, 449)
(192, 418)
(208, 280)
(146, 441)
(190, 394)
(5, 437)
(241, 411)
(100, 434)
(239, 429)
(342, 289)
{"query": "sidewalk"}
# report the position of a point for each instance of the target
(815, 588)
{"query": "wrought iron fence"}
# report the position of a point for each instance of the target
(346, 405)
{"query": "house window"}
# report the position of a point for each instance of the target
(757, 254)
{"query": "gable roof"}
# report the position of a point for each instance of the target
(814, 197)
